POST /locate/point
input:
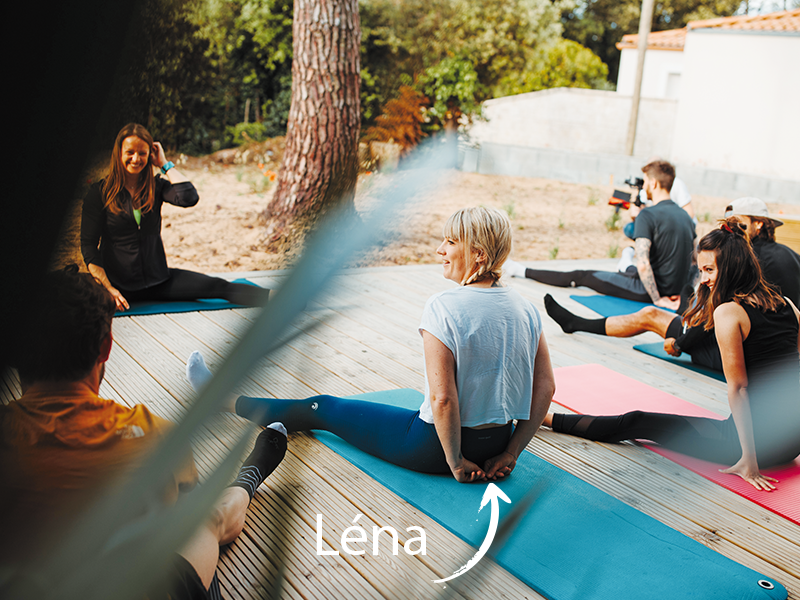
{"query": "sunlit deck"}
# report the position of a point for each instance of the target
(368, 341)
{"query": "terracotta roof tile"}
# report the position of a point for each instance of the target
(787, 20)
(674, 39)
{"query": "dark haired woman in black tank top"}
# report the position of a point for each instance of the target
(757, 333)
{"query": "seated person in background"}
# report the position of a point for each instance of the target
(780, 266)
(679, 194)
(486, 365)
(122, 214)
(757, 332)
(664, 242)
(61, 444)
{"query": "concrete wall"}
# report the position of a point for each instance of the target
(577, 120)
(662, 77)
(595, 168)
(738, 109)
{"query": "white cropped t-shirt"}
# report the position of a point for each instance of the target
(493, 334)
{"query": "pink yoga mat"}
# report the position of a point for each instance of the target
(596, 390)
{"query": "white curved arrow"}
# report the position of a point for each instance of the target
(492, 493)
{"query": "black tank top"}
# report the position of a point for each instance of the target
(772, 341)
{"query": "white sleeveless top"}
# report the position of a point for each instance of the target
(493, 334)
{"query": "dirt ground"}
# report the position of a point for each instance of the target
(551, 219)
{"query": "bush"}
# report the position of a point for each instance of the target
(243, 133)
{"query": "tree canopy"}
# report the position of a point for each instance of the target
(200, 73)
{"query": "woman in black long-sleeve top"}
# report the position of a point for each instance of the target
(121, 229)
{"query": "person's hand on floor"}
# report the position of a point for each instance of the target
(751, 475)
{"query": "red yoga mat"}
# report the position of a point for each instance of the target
(596, 390)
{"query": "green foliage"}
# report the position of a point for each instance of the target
(457, 51)
(564, 64)
(613, 251)
(612, 223)
(453, 88)
(189, 66)
(594, 196)
(553, 252)
(243, 133)
(600, 24)
(510, 208)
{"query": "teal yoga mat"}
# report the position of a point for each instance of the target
(158, 308)
(610, 306)
(684, 360)
(575, 542)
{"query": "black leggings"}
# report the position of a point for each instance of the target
(396, 435)
(622, 285)
(188, 285)
(710, 439)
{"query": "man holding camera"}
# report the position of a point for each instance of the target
(664, 235)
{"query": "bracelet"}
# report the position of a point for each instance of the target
(167, 166)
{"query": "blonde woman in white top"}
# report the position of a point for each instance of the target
(486, 366)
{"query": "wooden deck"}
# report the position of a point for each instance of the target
(368, 341)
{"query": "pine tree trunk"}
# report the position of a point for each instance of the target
(320, 165)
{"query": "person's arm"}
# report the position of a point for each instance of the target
(648, 278)
(730, 321)
(176, 189)
(544, 387)
(92, 217)
(440, 366)
(686, 341)
(160, 159)
(99, 274)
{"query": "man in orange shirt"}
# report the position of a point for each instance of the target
(60, 443)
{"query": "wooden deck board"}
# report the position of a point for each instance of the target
(363, 337)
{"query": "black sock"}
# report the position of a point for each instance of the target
(571, 323)
(267, 454)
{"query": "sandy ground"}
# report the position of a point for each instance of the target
(551, 219)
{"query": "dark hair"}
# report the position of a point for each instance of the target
(144, 194)
(662, 171)
(767, 231)
(739, 276)
(68, 324)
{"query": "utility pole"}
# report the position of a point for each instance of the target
(645, 21)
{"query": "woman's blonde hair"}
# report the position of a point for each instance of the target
(481, 229)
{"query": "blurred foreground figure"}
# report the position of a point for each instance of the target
(61, 444)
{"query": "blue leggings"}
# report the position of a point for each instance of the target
(396, 435)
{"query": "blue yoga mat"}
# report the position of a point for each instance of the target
(610, 306)
(159, 307)
(684, 360)
(575, 542)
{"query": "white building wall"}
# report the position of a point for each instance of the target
(738, 108)
(577, 120)
(661, 77)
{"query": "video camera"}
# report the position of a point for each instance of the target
(620, 199)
